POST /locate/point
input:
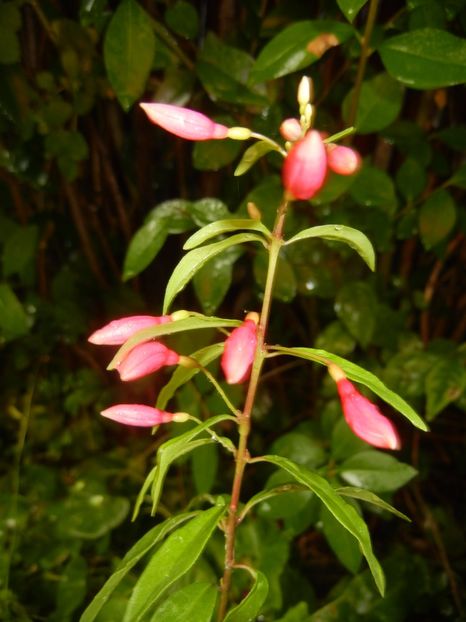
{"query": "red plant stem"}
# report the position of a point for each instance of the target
(244, 419)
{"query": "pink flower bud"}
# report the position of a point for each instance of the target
(138, 415)
(184, 122)
(305, 166)
(343, 160)
(239, 350)
(365, 419)
(144, 359)
(117, 332)
(290, 129)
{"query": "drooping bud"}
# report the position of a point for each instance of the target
(184, 122)
(239, 350)
(305, 167)
(144, 359)
(362, 416)
(118, 331)
(343, 160)
(141, 415)
(290, 129)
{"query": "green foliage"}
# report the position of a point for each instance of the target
(81, 168)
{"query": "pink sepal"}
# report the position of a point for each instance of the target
(365, 419)
(305, 167)
(137, 414)
(118, 331)
(239, 351)
(144, 359)
(184, 122)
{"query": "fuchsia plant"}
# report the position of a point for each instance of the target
(308, 154)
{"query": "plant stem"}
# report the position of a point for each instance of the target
(244, 418)
(373, 6)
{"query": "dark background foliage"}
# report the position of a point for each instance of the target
(83, 175)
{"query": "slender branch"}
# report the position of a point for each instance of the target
(217, 386)
(373, 6)
(244, 418)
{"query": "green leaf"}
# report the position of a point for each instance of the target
(212, 155)
(369, 497)
(144, 247)
(280, 501)
(336, 338)
(224, 226)
(379, 104)
(374, 188)
(195, 259)
(129, 48)
(340, 233)
(136, 552)
(459, 177)
(445, 382)
(212, 281)
(224, 72)
(208, 210)
(174, 213)
(13, 319)
(342, 543)
(437, 217)
(250, 607)
(183, 19)
(204, 462)
(358, 374)
(376, 471)
(356, 307)
(194, 322)
(171, 561)
(350, 8)
(300, 448)
(289, 50)
(71, 589)
(193, 603)
(10, 23)
(251, 155)
(428, 58)
(179, 446)
(344, 513)
(411, 178)
(181, 375)
(20, 250)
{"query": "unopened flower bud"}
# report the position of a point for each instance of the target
(254, 211)
(305, 91)
(144, 359)
(290, 129)
(239, 351)
(138, 415)
(184, 122)
(305, 167)
(343, 160)
(118, 331)
(362, 416)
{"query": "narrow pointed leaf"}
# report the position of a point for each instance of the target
(224, 226)
(351, 8)
(179, 446)
(194, 322)
(250, 607)
(171, 561)
(358, 374)
(195, 259)
(369, 497)
(345, 514)
(184, 374)
(340, 233)
(193, 603)
(251, 155)
(136, 552)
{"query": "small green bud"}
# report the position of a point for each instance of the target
(239, 133)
